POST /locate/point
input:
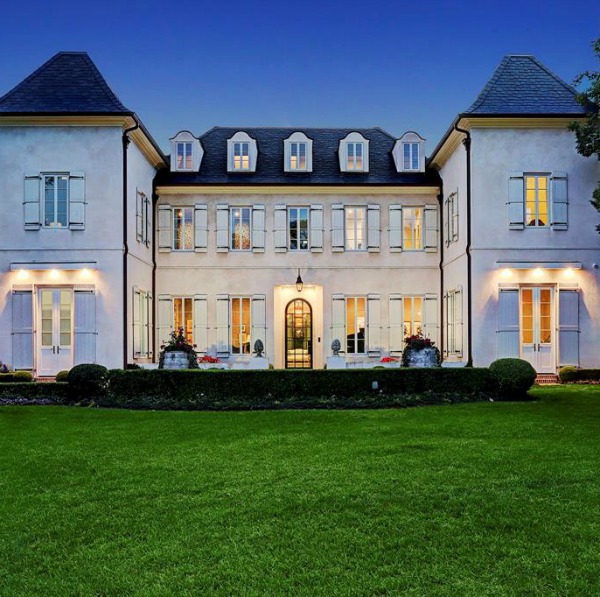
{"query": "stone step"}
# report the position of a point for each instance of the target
(546, 378)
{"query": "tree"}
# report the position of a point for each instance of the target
(588, 131)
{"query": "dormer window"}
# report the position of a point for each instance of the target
(354, 153)
(409, 153)
(297, 149)
(241, 153)
(186, 152)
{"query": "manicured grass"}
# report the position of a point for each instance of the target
(473, 499)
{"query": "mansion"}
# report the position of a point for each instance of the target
(295, 237)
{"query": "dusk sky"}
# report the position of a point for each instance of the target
(398, 65)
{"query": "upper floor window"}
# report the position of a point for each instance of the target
(241, 232)
(298, 227)
(536, 200)
(241, 153)
(297, 149)
(298, 156)
(412, 224)
(183, 229)
(356, 228)
(409, 153)
(56, 200)
(354, 153)
(356, 322)
(186, 152)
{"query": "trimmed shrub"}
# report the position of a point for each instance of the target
(62, 375)
(570, 373)
(88, 380)
(513, 377)
(16, 376)
(34, 393)
(280, 389)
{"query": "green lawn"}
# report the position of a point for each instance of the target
(475, 499)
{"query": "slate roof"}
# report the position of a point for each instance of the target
(68, 83)
(270, 163)
(523, 85)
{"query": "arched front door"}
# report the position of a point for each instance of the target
(298, 335)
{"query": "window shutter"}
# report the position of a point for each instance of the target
(395, 228)
(396, 324)
(448, 215)
(165, 317)
(280, 231)
(147, 221)
(165, 226)
(458, 321)
(508, 323)
(223, 325)
(137, 323)
(222, 228)
(374, 324)
(139, 220)
(201, 323)
(150, 324)
(316, 228)
(430, 213)
(338, 320)
(568, 327)
(447, 310)
(200, 228)
(31, 203)
(454, 216)
(560, 201)
(258, 320)
(430, 317)
(77, 201)
(337, 228)
(373, 228)
(22, 329)
(516, 209)
(85, 327)
(258, 228)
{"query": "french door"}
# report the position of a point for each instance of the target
(298, 335)
(55, 330)
(537, 327)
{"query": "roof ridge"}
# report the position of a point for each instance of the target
(554, 76)
(112, 96)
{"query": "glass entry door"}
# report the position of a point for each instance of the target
(537, 333)
(298, 335)
(55, 330)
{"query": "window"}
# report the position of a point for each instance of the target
(356, 319)
(297, 156)
(183, 229)
(56, 200)
(240, 325)
(536, 200)
(411, 156)
(183, 309)
(354, 156)
(240, 228)
(412, 228)
(451, 218)
(354, 153)
(297, 151)
(184, 156)
(356, 228)
(413, 315)
(142, 218)
(241, 156)
(298, 218)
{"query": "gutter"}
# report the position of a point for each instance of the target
(125, 140)
(467, 144)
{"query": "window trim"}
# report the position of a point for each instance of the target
(55, 175)
(173, 229)
(537, 176)
(183, 298)
(186, 156)
(365, 339)
(248, 332)
(288, 229)
(365, 248)
(412, 145)
(412, 298)
(232, 208)
(404, 210)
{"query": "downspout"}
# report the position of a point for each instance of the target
(154, 298)
(440, 199)
(125, 140)
(467, 144)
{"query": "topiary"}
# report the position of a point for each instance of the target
(22, 376)
(513, 377)
(88, 380)
(568, 373)
(62, 375)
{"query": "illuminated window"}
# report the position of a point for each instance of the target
(298, 219)
(354, 156)
(413, 315)
(56, 200)
(412, 228)
(297, 156)
(356, 319)
(356, 228)
(183, 229)
(184, 156)
(240, 228)
(241, 156)
(536, 200)
(240, 325)
(411, 156)
(183, 316)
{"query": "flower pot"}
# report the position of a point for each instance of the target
(422, 357)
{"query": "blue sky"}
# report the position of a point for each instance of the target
(394, 64)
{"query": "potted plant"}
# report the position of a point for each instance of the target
(177, 352)
(420, 352)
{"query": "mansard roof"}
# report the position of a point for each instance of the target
(68, 83)
(325, 161)
(522, 85)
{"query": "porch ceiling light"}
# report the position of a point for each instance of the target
(299, 282)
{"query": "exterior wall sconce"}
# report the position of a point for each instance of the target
(299, 282)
